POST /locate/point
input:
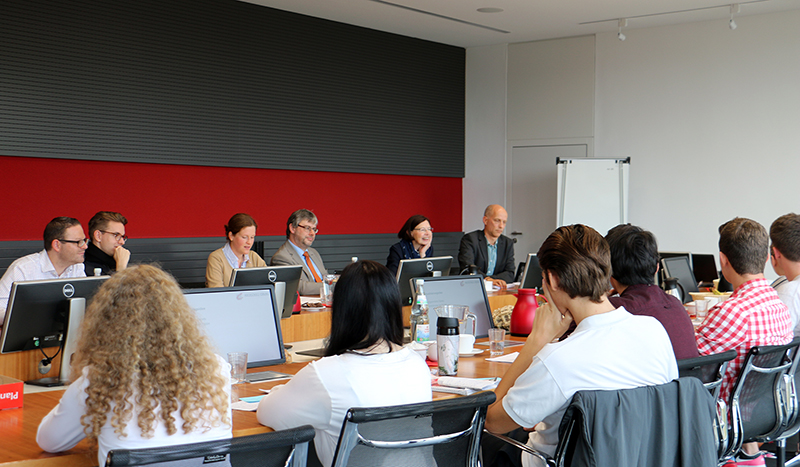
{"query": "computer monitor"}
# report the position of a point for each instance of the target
(419, 267)
(45, 314)
(678, 267)
(660, 276)
(460, 290)
(241, 319)
(532, 278)
(286, 280)
(704, 267)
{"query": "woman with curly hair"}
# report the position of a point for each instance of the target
(147, 374)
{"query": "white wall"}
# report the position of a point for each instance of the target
(711, 120)
(485, 164)
(709, 116)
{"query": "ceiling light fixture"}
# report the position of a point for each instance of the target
(490, 10)
(623, 23)
(734, 9)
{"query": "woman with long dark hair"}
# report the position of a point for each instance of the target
(366, 364)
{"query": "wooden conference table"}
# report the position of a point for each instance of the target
(18, 426)
(307, 325)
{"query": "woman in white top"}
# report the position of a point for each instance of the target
(147, 375)
(366, 364)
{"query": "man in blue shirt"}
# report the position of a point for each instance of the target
(488, 249)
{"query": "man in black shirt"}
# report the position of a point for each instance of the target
(106, 251)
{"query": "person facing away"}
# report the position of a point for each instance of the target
(634, 263)
(240, 233)
(301, 230)
(106, 250)
(488, 249)
(785, 257)
(62, 258)
(365, 365)
(609, 349)
(138, 383)
(753, 315)
(416, 237)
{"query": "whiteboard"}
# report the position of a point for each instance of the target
(593, 192)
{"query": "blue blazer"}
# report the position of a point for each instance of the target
(403, 250)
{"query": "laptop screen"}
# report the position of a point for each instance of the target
(460, 290)
(241, 319)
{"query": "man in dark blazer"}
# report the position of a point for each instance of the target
(478, 247)
(301, 230)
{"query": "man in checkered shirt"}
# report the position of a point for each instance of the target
(754, 314)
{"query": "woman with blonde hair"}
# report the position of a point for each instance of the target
(147, 374)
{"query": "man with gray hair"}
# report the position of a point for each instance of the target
(301, 230)
(488, 249)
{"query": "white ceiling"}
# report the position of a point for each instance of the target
(457, 22)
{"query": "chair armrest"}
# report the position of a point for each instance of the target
(523, 447)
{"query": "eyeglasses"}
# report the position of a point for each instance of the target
(81, 243)
(116, 235)
(309, 228)
(424, 229)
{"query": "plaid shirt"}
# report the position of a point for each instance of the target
(753, 315)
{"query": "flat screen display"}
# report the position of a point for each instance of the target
(241, 319)
(532, 278)
(679, 268)
(704, 267)
(419, 267)
(38, 311)
(286, 280)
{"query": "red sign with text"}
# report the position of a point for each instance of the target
(10, 393)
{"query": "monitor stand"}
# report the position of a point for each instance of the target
(77, 308)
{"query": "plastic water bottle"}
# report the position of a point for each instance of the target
(420, 325)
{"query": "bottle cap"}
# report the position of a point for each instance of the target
(447, 324)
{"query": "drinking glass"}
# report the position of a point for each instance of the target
(238, 361)
(497, 343)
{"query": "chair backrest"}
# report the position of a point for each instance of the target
(658, 426)
(709, 369)
(442, 432)
(274, 449)
(792, 398)
(757, 408)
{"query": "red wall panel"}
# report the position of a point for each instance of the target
(192, 201)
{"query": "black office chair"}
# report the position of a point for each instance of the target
(285, 448)
(710, 370)
(760, 403)
(791, 401)
(442, 432)
(658, 426)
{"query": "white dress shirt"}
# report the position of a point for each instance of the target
(35, 266)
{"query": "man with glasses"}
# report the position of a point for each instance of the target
(62, 257)
(106, 251)
(301, 230)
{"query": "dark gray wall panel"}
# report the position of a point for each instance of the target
(185, 258)
(225, 83)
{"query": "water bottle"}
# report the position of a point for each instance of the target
(447, 345)
(420, 325)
